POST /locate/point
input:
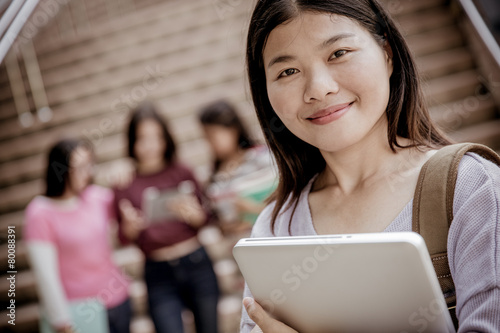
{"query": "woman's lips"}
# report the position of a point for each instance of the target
(329, 114)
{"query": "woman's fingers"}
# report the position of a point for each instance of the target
(264, 321)
(133, 219)
(125, 206)
(187, 208)
(130, 213)
(256, 329)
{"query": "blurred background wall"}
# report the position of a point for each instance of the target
(77, 67)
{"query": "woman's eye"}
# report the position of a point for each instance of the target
(338, 54)
(288, 72)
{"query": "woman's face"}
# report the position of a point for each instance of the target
(80, 169)
(223, 140)
(327, 80)
(150, 144)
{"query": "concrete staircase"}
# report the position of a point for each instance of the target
(184, 54)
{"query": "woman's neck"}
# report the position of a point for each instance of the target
(232, 161)
(355, 166)
(67, 196)
(150, 167)
(67, 200)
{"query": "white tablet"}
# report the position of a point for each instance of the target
(379, 282)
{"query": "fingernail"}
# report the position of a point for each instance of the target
(247, 302)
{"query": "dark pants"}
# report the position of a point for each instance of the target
(119, 318)
(188, 282)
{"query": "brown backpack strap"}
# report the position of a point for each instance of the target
(433, 208)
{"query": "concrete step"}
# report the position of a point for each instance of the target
(22, 170)
(122, 100)
(422, 21)
(147, 77)
(25, 287)
(469, 111)
(229, 312)
(27, 317)
(17, 196)
(163, 10)
(206, 11)
(452, 87)
(21, 259)
(443, 63)
(172, 54)
(157, 29)
(33, 166)
(147, 73)
(218, 72)
(399, 8)
(12, 219)
(487, 133)
(142, 52)
(130, 260)
(435, 41)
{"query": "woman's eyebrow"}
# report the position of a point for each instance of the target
(326, 43)
(335, 38)
(280, 59)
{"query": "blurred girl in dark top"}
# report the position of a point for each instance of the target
(239, 162)
(178, 272)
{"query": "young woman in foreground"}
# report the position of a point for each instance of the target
(337, 93)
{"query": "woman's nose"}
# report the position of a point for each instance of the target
(320, 83)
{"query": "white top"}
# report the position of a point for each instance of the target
(473, 242)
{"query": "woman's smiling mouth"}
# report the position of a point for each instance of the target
(332, 113)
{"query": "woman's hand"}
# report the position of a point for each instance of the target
(265, 323)
(65, 329)
(187, 208)
(133, 221)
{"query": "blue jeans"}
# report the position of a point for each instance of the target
(188, 282)
(119, 317)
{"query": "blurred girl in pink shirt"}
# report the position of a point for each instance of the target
(67, 234)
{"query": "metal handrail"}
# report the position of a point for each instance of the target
(9, 15)
(482, 29)
(15, 27)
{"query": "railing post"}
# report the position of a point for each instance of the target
(36, 82)
(18, 91)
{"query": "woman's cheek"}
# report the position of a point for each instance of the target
(284, 100)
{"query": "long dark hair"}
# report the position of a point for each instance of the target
(224, 114)
(58, 165)
(147, 110)
(406, 112)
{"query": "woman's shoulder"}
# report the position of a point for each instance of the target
(262, 227)
(39, 205)
(473, 251)
(98, 193)
(38, 215)
(293, 218)
(476, 173)
(477, 193)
